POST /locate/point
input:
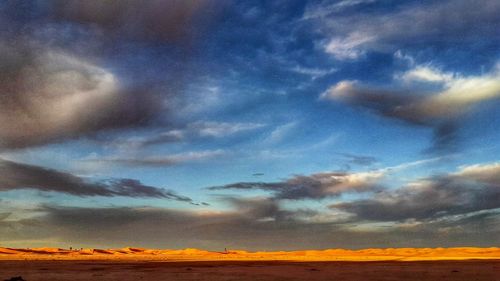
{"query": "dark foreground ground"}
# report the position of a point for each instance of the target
(258, 270)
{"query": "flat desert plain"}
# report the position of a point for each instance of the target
(251, 270)
(467, 264)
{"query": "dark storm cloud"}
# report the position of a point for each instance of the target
(113, 22)
(49, 95)
(315, 186)
(15, 176)
(472, 189)
(72, 69)
(158, 20)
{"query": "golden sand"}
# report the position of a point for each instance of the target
(389, 254)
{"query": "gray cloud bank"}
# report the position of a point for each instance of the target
(472, 189)
(456, 209)
(462, 205)
(253, 224)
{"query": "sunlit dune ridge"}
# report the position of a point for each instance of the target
(402, 254)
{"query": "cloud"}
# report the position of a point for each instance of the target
(157, 20)
(160, 138)
(361, 160)
(49, 95)
(260, 208)
(348, 47)
(253, 224)
(315, 186)
(71, 69)
(250, 217)
(280, 132)
(425, 73)
(192, 131)
(14, 176)
(222, 129)
(380, 100)
(471, 189)
(3, 216)
(314, 73)
(441, 109)
(325, 8)
(484, 173)
(159, 161)
(348, 35)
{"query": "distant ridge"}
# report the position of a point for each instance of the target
(129, 253)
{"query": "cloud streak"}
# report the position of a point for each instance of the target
(159, 161)
(193, 131)
(315, 186)
(15, 176)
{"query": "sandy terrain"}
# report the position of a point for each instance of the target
(251, 270)
(136, 254)
(468, 264)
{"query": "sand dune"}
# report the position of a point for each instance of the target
(399, 254)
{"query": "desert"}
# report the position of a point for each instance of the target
(218, 140)
(192, 264)
(140, 254)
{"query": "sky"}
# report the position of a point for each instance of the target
(257, 125)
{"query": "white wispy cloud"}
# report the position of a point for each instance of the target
(314, 73)
(221, 129)
(192, 131)
(326, 8)
(280, 132)
(157, 160)
(349, 47)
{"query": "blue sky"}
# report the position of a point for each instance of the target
(171, 124)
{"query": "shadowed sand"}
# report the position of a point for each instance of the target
(472, 270)
(137, 254)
